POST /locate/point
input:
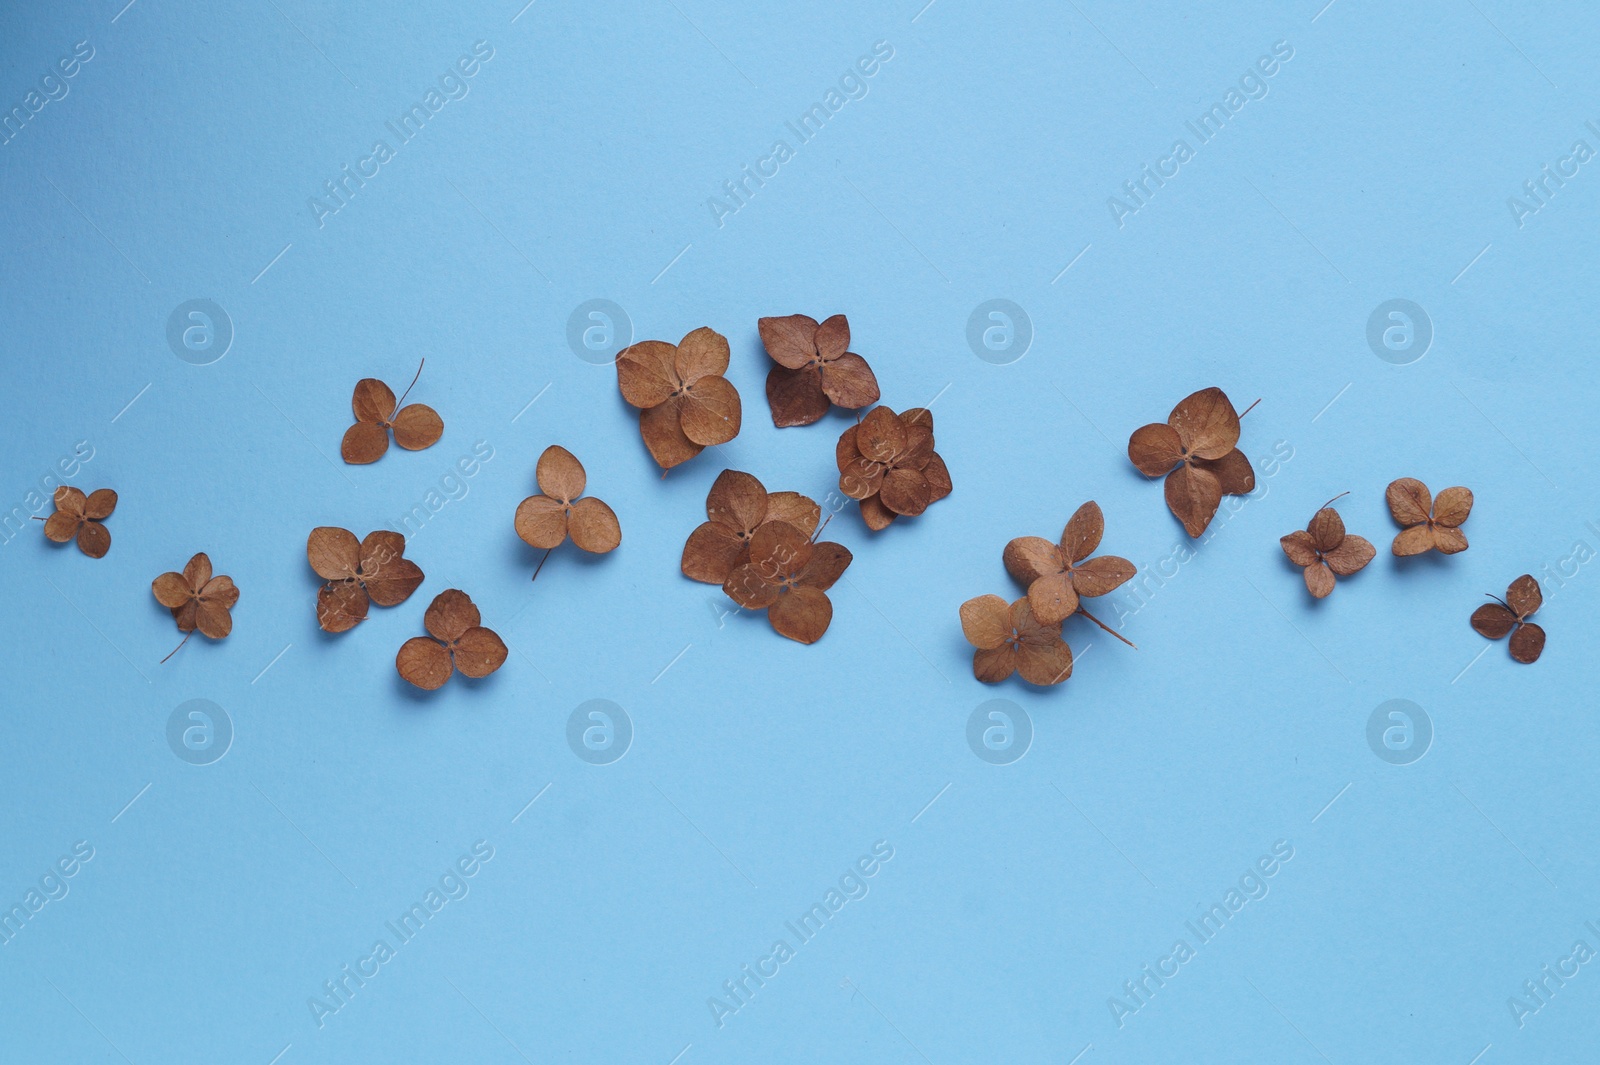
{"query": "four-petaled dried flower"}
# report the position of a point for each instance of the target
(788, 576)
(377, 412)
(1196, 452)
(888, 464)
(736, 507)
(1009, 639)
(458, 642)
(1496, 619)
(80, 515)
(1057, 575)
(548, 519)
(685, 404)
(197, 599)
(374, 570)
(1430, 523)
(813, 369)
(1324, 549)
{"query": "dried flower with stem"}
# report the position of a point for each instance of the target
(358, 574)
(197, 600)
(736, 507)
(547, 519)
(887, 463)
(1060, 576)
(80, 516)
(1430, 523)
(813, 369)
(1511, 614)
(685, 403)
(1010, 639)
(378, 413)
(1196, 451)
(788, 575)
(1323, 549)
(457, 642)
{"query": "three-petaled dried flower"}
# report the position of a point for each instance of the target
(1511, 615)
(813, 369)
(736, 507)
(1010, 639)
(888, 464)
(1059, 575)
(358, 574)
(78, 515)
(378, 412)
(685, 404)
(1196, 451)
(197, 600)
(546, 520)
(1323, 549)
(1429, 523)
(458, 642)
(788, 576)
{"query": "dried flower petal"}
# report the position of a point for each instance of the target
(94, 540)
(1409, 501)
(1452, 506)
(341, 605)
(1493, 620)
(703, 353)
(198, 599)
(479, 652)
(711, 411)
(1083, 532)
(363, 443)
(417, 426)
(662, 429)
(1413, 541)
(849, 382)
(1449, 541)
(1319, 579)
(334, 554)
(372, 401)
(1527, 643)
(424, 662)
(986, 621)
(1154, 449)
(797, 510)
(1300, 548)
(1207, 423)
(450, 615)
(1193, 495)
(594, 526)
(646, 373)
(100, 504)
(796, 396)
(790, 340)
(1233, 472)
(559, 474)
(1351, 555)
(802, 614)
(1326, 529)
(1524, 596)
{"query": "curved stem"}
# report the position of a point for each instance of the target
(542, 561)
(178, 648)
(409, 387)
(1103, 625)
(1332, 501)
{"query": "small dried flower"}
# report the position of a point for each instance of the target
(1324, 549)
(197, 600)
(685, 404)
(80, 516)
(1511, 615)
(1009, 639)
(888, 464)
(788, 576)
(378, 412)
(1430, 523)
(813, 369)
(546, 520)
(736, 507)
(458, 643)
(1195, 450)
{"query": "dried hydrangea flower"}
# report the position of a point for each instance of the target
(78, 515)
(1009, 639)
(813, 369)
(1511, 615)
(736, 507)
(685, 404)
(457, 642)
(1323, 550)
(546, 520)
(197, 600)
(888, 464)
(1058, 575)
(358, 573)
(1195, 450)
(378, 413)
(1430, 523)
(788, 576)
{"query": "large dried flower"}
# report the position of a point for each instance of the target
(1195, 450)
(547, 519)
(685, 404)
(813, 369)
(888, 464)
(788, 576)
(736, 507)
(197, 600)
(1058, 575)
(358, 574)
(457, 642)
(1430, 523)
(1009, 639)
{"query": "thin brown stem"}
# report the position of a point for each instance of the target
(542, 561)
(1103, 625)
(409, 387)
(37, 518)
(1248, 409)
(824, 525)
(178, 648)
(1332, 501)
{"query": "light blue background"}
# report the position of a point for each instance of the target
(978, 166)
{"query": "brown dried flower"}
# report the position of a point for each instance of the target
(374, 570)
(1324, 549)
(547, 520)
(1010, 639)
(685, 404)
(458, 642)
(197, 600)
(736, 507)
(1496, 619)
(887, 462)
(813, 369)
(1195, 450)
(377, 412)
(1058, 575)
(788, 576)
(1430, 523)
(78, 515)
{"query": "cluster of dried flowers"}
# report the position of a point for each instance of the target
(888, 465)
